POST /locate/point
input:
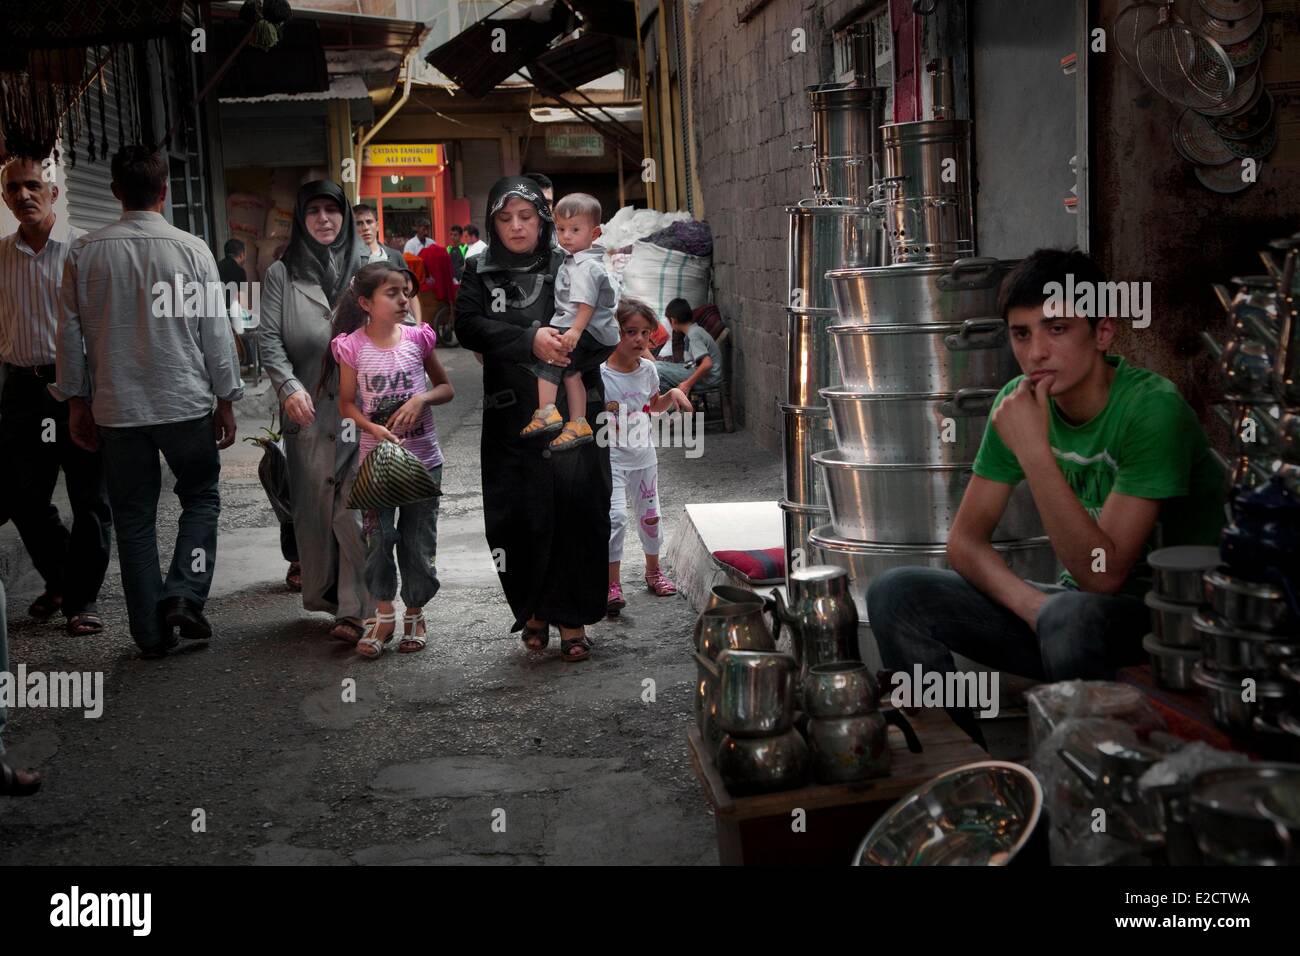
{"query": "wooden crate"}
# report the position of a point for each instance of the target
(758, 829)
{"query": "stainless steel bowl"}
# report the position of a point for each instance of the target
(1236, 651)
(981, 814)
(909, 429)
(1177, 572)
(1172, 623)
(1248, 815)
(1032, 559)
(845, 749)
(841, 689)
(756, 692)
(906, 504)
(1171, 666)
(763, 764)
(1256, 607)
(923, 358)
(1227, 705)
(944, 294)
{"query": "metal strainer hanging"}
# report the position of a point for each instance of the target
(1182, 65)
(1131, 25)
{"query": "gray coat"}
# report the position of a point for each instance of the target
(294, 334)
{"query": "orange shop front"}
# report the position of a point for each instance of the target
(406, 182)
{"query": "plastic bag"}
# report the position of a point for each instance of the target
(1050, 704)
(273, 471)
(391, 477)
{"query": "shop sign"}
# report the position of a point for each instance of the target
(403, 154)
(574, 141)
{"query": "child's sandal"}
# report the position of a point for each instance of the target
(575, 433)
(413, 640)
(545, 421)
(370, 645)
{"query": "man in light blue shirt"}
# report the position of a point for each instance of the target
(144, 350)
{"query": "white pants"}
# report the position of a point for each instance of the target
(643, 483)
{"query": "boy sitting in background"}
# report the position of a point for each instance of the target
(702, 364)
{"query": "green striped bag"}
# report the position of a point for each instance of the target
(391, 477)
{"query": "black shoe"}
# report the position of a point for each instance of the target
(187, 617)
(159, 650)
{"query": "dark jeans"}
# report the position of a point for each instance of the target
(134, 483)
(72, 565)
(924, 615)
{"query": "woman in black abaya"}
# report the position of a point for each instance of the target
(546, 516)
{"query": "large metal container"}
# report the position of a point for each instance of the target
(910, 504)
(1032, 560)
(910, 429)
(904, 295)
(923, 358)
(828, 237)
(810, 362)
(806, 432)
(927, 192)
(846, 123)
(799, 520)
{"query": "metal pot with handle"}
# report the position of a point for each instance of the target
(973, 353)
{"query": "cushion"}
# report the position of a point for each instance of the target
(765, 566)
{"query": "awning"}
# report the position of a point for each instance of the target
(546, 114)
(341, 88)
(569, 65)
(470, 59)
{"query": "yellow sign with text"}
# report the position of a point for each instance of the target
(403, 154)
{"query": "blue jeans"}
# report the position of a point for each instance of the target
(924, 615)
(411, 530)
(134, 483)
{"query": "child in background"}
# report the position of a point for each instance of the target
(585, 297)
(384, 363)
(703, 358)
(632, 391)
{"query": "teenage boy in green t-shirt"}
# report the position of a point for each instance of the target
(1115, 460)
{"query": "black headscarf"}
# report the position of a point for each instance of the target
(330, 267)
(497, 255)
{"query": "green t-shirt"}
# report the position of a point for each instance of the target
(1145, 443)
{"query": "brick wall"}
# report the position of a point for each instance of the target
(750, 110)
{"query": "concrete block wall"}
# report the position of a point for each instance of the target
(750, 111)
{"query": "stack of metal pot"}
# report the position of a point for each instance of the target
(1176, 599)
(1250, 631)
(833, 229)
(922, 352)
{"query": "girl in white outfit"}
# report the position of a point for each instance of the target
(632, 395)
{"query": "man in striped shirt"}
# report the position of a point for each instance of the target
(34, 437)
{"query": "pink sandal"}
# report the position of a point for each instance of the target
(659, 585)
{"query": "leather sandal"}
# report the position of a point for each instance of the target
(575, 433)
(45, 606)
(545, 421)
(413, 640)
(536, 638)
(370, 645)
(577, 649)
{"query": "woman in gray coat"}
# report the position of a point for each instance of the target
(298, 295)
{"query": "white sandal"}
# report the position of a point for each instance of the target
(410, 620)
(371, 646)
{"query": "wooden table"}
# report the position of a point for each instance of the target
(758, 829)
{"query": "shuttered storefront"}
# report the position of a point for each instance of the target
(91, 204)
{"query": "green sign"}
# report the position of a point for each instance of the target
(570, 142)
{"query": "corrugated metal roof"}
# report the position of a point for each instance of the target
(341, 88)
(469, 57)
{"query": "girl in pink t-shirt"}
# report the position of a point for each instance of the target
(382, 367)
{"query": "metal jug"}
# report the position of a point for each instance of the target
(736, 627)
(718, 596)
(820, 615)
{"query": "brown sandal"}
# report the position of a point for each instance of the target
(577, 649)
(536, 638)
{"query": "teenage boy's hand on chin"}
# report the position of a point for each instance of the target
(1022, 418)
